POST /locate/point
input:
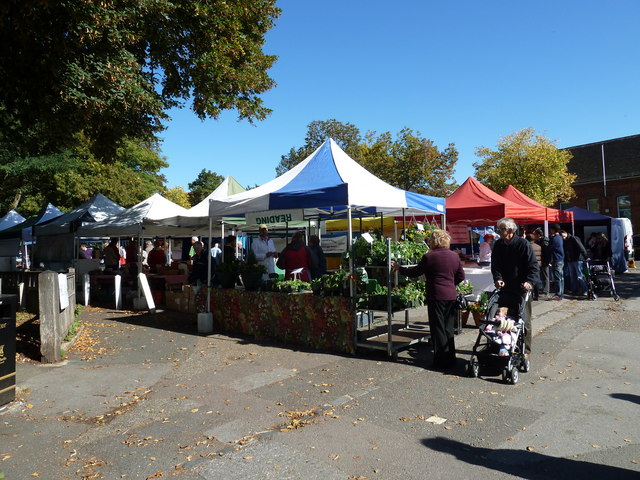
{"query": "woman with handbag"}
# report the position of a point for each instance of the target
(443, 271)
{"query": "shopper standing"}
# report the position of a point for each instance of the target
(557, 260)
(443, 271)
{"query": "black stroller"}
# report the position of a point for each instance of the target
(599, 278)
(500, 342)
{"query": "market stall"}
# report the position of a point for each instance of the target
(326, 185)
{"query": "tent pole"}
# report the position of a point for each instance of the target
(209, 266)
(404, 224)
(350, 247)
(221, 233)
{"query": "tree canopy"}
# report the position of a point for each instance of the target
(71, 177)
(178, 196)
(112, 68)
(410, 162)
(205, 183)
(347, 135)
(529, 162)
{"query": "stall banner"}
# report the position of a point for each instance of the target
(275, 217)
(323, 323)
(459, 234)
(336, 243)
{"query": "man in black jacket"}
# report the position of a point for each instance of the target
(545, 259)
(515, 269)
(574, 254)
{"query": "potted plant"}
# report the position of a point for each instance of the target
(464, 289)
(478, 308)
(291, 286)
(330, 284)
(227, 272)
(251, 272)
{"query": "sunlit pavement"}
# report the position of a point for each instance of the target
(146, 397)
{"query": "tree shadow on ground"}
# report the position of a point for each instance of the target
(626, 396)
(526, 464)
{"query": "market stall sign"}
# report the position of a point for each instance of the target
(459, 233)
(334, 243)
(275, 217)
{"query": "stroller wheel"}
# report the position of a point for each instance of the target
(473, 369)
(616, 298)
(525, 365)
(514, 376)
(505, 375)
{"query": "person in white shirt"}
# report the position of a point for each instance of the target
(484, 259)
(265, 251)
(216, 253)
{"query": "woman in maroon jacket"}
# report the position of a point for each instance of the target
(443, 271)
(297, 255)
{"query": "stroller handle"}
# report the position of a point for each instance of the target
(525, 296)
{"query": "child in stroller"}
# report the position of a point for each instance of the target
(599, 277)
(501, 337)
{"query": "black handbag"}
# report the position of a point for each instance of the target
(461, 302)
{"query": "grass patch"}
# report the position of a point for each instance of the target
(75, 326)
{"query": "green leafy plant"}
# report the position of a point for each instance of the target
(75, 326)
(481, 304)
(411, 295)
(251, 266)
(227, 272)
(330, 284)
(290, 286)
(465, 287)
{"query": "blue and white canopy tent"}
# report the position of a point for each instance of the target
(328, 183)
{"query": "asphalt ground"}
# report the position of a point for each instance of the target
(144, 396)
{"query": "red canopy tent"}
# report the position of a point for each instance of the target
(474, 204)
(552, 214)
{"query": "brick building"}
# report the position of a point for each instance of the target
(608, 178)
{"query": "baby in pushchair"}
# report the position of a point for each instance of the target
(501, 336)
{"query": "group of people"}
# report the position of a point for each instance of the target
(114, 256)
(560, 257)
(298, 260)
(514, 268)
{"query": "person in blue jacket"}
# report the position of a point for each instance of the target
(557, 259)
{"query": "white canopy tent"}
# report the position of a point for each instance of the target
(143, 219)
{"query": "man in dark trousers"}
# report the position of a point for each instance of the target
(545, 259)
(556, 247)
(574, 254)
(515, 270)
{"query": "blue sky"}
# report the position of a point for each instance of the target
(463, 72)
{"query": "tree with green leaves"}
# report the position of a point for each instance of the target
(410, 162)
(73, 176)
(178, 196)
(346, 135)
(205, 183)
(111, 69)
(531, 163)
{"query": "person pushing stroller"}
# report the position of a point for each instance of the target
(514, 268)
